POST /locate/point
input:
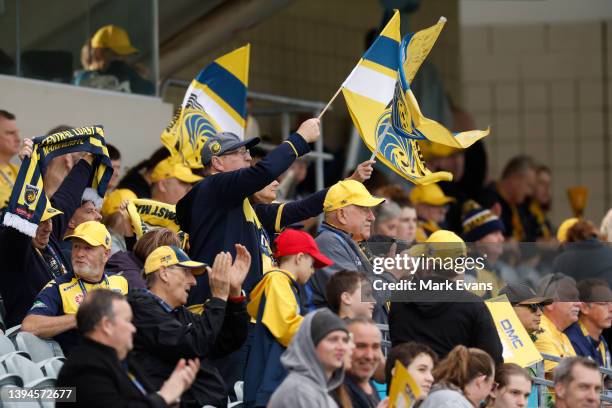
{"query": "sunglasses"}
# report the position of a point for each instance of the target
(534, 307)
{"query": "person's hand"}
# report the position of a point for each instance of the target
(384, 403)
(310, 130)
(89, 158)
(126, 225)
(179, 381)
(26, 149)
(363, 172)
(219, 275)
(240, 269)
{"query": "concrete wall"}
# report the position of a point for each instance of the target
(544, 89)
(133, 123)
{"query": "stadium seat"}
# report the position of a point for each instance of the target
(7, 379)
(7, 347)
(31, 375)
(38, 349)
(51, 366)
(20, 404)
(12, 332)
(239, 391)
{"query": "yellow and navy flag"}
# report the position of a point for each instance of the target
(214, 102)
(368, 92)
(406, 117)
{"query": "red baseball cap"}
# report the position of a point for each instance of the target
(292, 242)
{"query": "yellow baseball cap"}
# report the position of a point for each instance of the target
(92, 232)
(349, 192)
(115, 38)
(170, 168)
(430, 194)
(441, 244)
(168, 255)
(113, 200)
(564, 227)
(49, 212)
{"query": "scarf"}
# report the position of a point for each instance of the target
(146, 215)
(28, 199)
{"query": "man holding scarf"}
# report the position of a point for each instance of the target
(32, 261)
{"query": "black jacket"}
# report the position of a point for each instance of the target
(102, 381)
(24, 273)
(586, 259)
(164, 337)
(442, 325)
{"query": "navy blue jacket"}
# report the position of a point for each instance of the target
(585, 346)
(217, 215)
(23, 272)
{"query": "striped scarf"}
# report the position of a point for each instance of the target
(146, 215)
(28, 199)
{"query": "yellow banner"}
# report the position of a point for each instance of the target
(403, 391)
(518, 347)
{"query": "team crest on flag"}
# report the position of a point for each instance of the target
(384, 109)
(214, 102)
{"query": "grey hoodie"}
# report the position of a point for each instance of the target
(305, 386)
(443, 396)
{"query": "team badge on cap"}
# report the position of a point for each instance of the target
(215, 147)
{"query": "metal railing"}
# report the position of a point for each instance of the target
(543, 385)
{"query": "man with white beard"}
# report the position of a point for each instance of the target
(53, 314)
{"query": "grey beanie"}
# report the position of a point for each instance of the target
(323, 323)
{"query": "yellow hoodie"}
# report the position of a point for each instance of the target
(281, 313)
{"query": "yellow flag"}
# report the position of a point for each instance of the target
(518, 347)
(403, 391)
(214, 102)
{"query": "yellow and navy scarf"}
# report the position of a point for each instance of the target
(146, 215)
(28, 199)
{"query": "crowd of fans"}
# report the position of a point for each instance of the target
(234, 289)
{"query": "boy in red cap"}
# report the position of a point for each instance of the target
(275, 309)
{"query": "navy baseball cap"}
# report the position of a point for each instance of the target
(224, 142)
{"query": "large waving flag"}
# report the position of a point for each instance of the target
(214, 102)
(368, 92)
(407, 119)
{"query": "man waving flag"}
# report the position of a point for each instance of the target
(214, 102)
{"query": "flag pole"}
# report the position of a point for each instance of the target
(330, 102)
(338, 91)
(380, 139)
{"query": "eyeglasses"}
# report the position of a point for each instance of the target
(243, 151)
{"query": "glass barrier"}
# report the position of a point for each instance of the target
(99, 44)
